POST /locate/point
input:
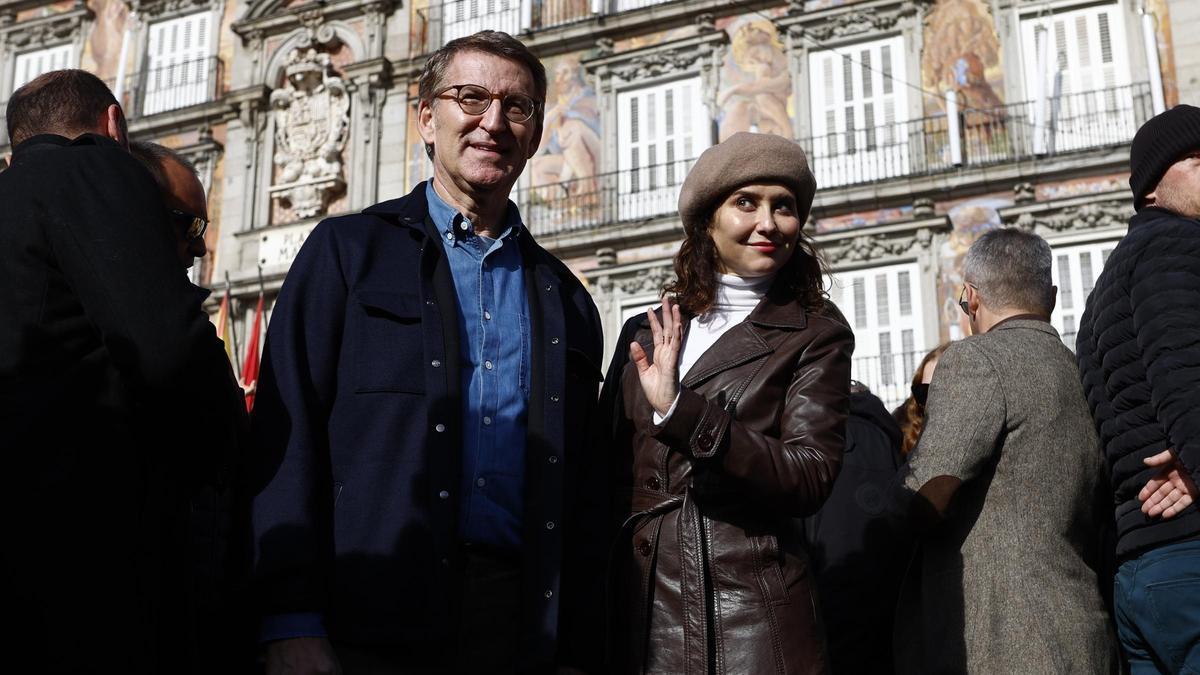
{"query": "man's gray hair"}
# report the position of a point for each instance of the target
(153, 156)
(1010, 269)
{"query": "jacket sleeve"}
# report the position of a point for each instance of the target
(794, 472)
(1165, 294)
(963, 419)
(292, 509)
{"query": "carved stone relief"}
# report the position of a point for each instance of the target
(1094, 216)
(646, 281)
(856, 22)
(312, 116)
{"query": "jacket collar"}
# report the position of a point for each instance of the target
(409, 210)
(43, 142)
(1151, 213)
(1026, 321)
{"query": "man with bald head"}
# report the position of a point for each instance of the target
(105, 355)
(182, 194)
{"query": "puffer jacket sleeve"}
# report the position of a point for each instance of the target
(1165, 294)
(795, 472)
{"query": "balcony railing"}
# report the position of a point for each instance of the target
(1070, 123)
(888, 376)
(171, 87)
(445, 20)
(618, 196)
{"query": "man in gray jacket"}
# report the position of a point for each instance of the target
(1006, 484)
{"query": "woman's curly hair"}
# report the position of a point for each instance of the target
(911, 414)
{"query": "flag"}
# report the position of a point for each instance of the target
(250, 364)
(224, 325)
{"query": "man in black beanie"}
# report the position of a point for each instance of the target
(1139, 356)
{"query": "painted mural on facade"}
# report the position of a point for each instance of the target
(970, 219)
(102, 50)
(756, 85)
(1166, 53)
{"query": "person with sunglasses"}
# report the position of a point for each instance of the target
(426, 504)
(183, 195)
(1005, 488)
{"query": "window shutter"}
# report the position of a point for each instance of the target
(661, 129)
(178, 67)
(466, 17)
(882, 305)
(1074, 270)
(31, 64)
(857, 112)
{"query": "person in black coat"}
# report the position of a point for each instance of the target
(1139, 356)
(111, 378)
(858, 552)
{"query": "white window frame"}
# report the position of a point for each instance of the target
(661, 129)
(858, 127)
(889, 337)
(1075, 283)
(466, 17)
(1086, 105)
(30, 64)
(183, 77)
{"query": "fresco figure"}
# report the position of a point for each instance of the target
(758, 83)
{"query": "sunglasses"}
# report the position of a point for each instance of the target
(475, 100)
(194, 226)
(962, 301)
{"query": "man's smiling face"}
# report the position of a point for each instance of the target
(480, 153)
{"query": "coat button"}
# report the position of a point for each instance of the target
(643, 547)
(435, 363)
(652, 483)
(549, 287)
(554, 341)
(705, 440)
(549, 524)
(554, 397)
(440, 428)
(549, 594)
(445, 562)
(553, 459)
(429, 302)
(444, 495)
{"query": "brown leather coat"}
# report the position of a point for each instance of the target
(709, 574)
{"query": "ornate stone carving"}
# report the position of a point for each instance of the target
(57, 30)
(863, 248)
(646, 281)
(1094, 216)
(312, 116)
(706, 23)
(656, 64)
(605, 46)
(155, 9)
(923, 207)
(606, 257)
(1023, 193)
(856, 22)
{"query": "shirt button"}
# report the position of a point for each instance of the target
(487, 315)
(463, 226)
(435, 363)
(549, 594)
(549, 524)
(488, 365)
(440, 428)
(487, 420)
(444, 495)
(553, 459)
(554, 341)
(449, 236)
(481, 481)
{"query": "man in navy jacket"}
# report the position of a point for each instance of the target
(426, 501)
(1139, 356)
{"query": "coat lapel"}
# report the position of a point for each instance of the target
(739, 345)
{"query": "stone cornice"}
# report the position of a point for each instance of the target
(153, 10)
(1087, 213)
(44, 30)
(848, 21)
(657, 60)
(293, 17)
(892, 241)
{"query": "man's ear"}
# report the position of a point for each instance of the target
(425, 125)
(115, 126)
(1053, 300)
(973, 300)
(1150, 199)
(536, 143)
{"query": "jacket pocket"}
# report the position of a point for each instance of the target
(769, 566)
(388, 342)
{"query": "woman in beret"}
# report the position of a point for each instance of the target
(727, 411)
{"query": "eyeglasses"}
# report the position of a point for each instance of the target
(962, 302)
(475, 100)
(194, 226)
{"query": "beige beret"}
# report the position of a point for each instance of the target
(745, 159)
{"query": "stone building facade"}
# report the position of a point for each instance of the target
(928, 122)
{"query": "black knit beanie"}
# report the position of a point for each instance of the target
(1159, 144)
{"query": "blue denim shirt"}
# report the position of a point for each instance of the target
(494, 338)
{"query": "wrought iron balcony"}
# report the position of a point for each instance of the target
(1070, 123)
(618, 196)
(171, 87)
(445, 20)
(888, 376)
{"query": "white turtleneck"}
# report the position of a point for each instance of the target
(736, 298)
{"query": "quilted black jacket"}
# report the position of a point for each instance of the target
(1139, 356)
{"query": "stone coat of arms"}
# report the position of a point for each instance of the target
(312, 117)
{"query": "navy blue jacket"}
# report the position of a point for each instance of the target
(359, 443)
